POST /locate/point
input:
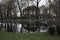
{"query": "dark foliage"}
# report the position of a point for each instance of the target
(58, 29)
(52, 30)
(9, 28)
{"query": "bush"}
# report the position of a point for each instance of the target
(52, 30)
(58, 29)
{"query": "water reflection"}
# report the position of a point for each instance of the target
(10, 27)
(16, 27)
(19, 26)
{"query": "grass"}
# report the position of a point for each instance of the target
(27, 36)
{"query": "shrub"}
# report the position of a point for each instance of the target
(52, 30)
(58, 29)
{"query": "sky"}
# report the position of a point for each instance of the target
(3, 1)
(0, 1)
(42, 2)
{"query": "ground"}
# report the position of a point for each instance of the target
(27, 36)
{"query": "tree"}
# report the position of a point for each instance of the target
(8, 6)
(54, 6)
(52, 30)
(30, 15)
(58, 16)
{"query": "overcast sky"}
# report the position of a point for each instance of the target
(42, 2)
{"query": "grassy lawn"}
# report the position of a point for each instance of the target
(27, 36)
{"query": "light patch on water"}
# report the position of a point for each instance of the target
(19, 27)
